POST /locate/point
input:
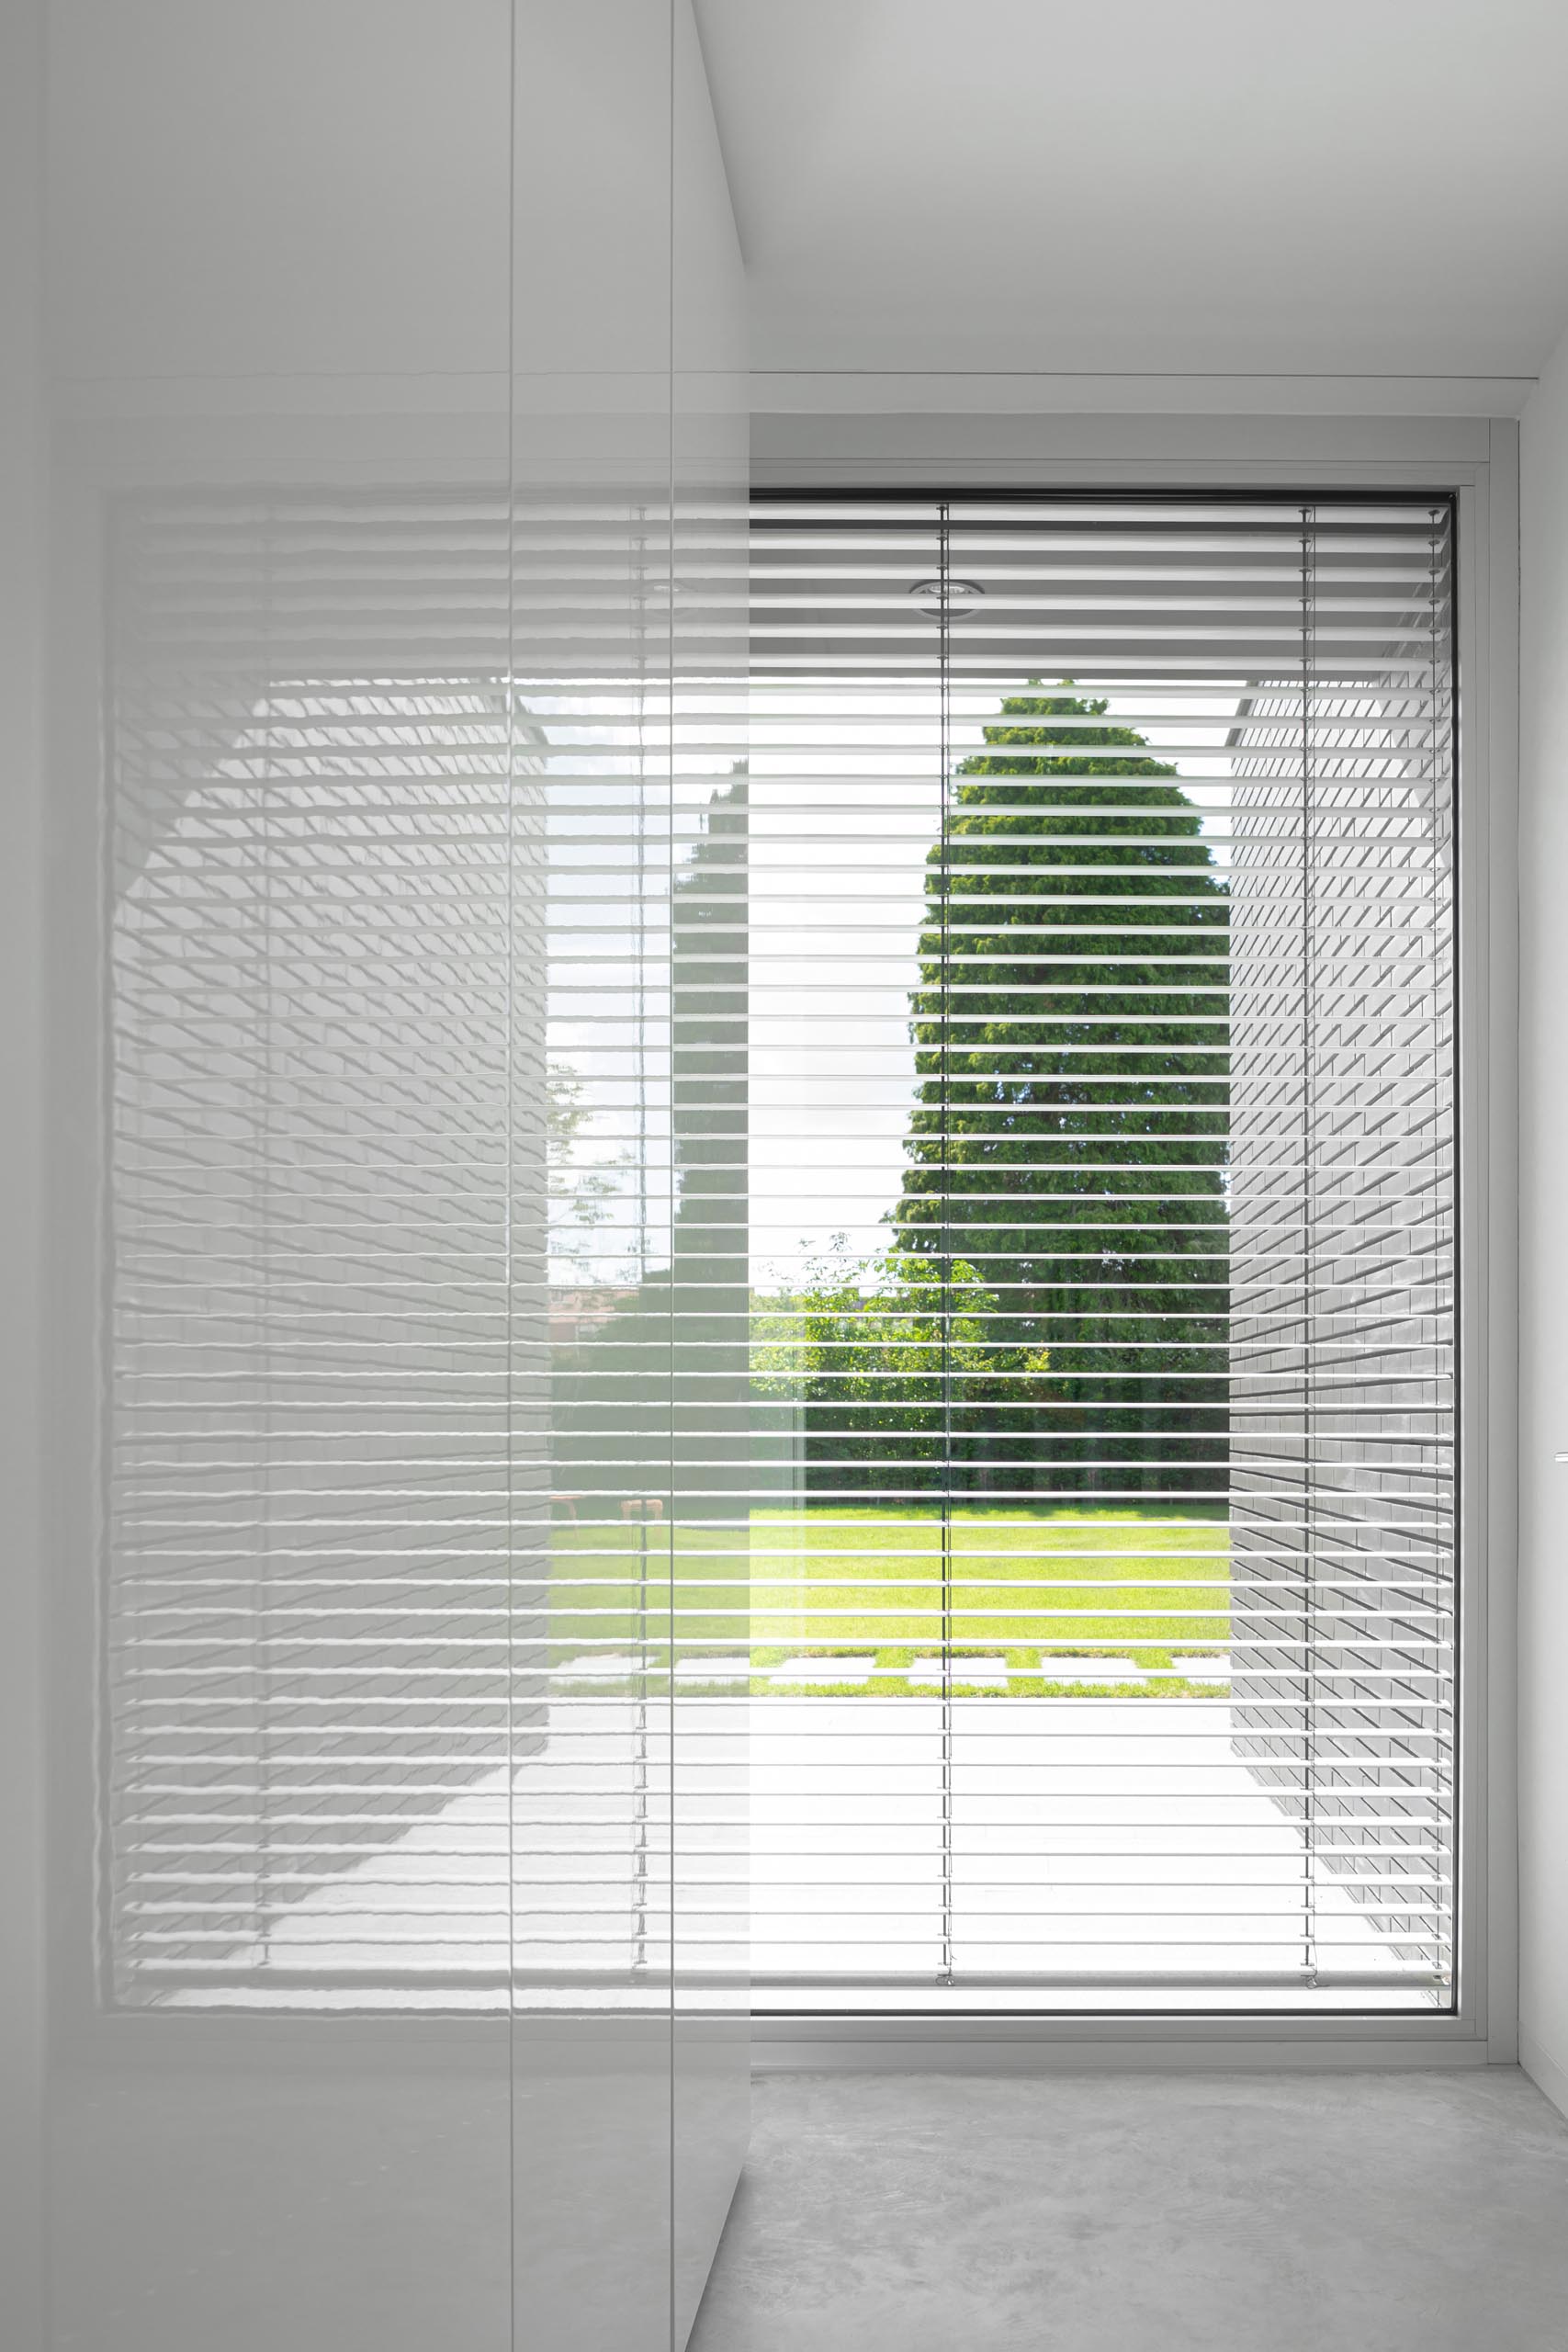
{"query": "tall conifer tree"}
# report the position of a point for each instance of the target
(1068, 1141)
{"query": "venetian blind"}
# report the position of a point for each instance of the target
(419, 1327)
(1103, 1219)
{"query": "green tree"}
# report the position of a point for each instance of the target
(895, 1369)
(1068, 1143)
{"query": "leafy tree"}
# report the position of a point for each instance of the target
(1068, 1143)
(885, 1361)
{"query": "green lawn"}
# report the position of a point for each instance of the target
(1030, 1585)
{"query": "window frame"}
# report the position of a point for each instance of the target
(841, 431)
(1474, 461)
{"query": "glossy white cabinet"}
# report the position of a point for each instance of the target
(399, 1459)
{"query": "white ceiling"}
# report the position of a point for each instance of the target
(1347, 187)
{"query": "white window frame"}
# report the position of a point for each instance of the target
(840, 433)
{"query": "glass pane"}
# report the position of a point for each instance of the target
(1110, 1661)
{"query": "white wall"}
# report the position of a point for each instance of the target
(1543, 1419)
(928, 186)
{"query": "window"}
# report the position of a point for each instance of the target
(977, 1187)
(1103, 1173)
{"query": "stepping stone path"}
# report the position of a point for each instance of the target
(823, 1669)
(925, 1674)
(991, 1671)
(1090, 1669)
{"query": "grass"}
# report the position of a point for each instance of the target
(1031, 1585)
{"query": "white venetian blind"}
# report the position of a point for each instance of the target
(427, 1305)
(1104, 1103)
(309, 1616)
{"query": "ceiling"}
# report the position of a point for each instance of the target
(1357, 186)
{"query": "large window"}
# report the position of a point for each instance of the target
(976, 1185)
(1102, 1183)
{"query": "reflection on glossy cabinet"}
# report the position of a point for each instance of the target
(397, 1873)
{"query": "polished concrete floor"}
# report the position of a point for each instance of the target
(1233, 2212)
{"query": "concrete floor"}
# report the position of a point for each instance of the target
(1233, 2212)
